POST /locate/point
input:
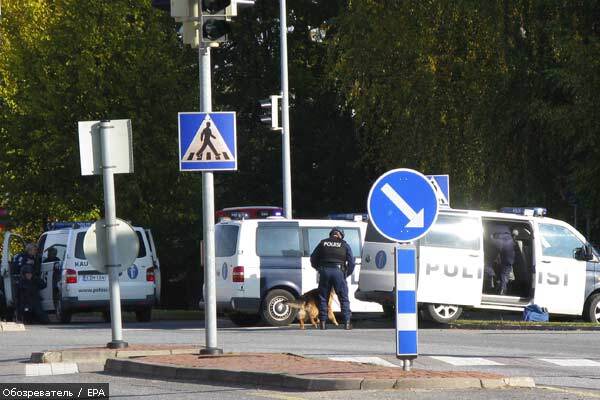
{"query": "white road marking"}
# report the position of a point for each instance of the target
(51, 369)
(571, 362)
(366, 360)
(465, 361)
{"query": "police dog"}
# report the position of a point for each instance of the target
(308, 306)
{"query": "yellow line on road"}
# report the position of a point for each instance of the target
(277, 395)
(571, 391)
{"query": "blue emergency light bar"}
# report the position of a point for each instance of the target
(528, 211)
(54, 226)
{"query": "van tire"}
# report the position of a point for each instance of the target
(143, 315)
(274, 311)
(241, 319)
(443, 313)
(591, 311)
(62, 316)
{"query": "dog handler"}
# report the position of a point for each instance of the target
(334, 260)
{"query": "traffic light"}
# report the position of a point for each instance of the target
(270, 112)
(216, 19)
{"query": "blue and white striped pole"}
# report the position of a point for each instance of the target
(406, 304)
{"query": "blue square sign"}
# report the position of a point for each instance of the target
(207, 141)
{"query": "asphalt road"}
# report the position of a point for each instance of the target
(565, 365)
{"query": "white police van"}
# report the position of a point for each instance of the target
(555, 267)
(72, 285)
(262, 263)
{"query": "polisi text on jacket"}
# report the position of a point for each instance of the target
(332, 244)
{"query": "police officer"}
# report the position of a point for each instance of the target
(26, 257)
(334, 260)
(501, 243)
(30, 302)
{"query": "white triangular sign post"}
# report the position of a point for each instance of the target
(208, 144)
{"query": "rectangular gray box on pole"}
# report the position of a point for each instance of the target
(121, 147)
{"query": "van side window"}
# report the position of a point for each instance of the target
(226, 238)
(79, 246)
(558, 241)
(142, 250)
(454, 232)
(374, 236)
(278, 241)
(315, 235)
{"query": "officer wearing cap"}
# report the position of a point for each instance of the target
(333, 258)
(25, 258)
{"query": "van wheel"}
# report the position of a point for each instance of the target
(64, 317)
(144, 315)
(241, 319)
(443, 313)
(591, 311)
(275, 311)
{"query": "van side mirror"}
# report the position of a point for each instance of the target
(584, 253)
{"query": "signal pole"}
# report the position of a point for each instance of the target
(285, 117)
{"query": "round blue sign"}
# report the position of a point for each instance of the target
(380, 259)
(402, 205)
(224, 271)
(132, 272)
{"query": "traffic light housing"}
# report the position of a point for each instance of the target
(270, 111)
(216, 19)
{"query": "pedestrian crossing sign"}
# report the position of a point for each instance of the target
(207, 141)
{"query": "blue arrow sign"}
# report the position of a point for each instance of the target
(402, 205)
(207, 141)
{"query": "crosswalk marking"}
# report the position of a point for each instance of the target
(571, 362)
(366, 360)
(465, 361)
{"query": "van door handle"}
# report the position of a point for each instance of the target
(546, 261)
(473, 255)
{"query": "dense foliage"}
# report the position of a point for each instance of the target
(502, 95)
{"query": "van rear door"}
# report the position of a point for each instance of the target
(156, 263)
(11, 246)
(226, 259)
(451, 261)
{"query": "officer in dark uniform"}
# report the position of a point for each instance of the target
(30, 302)
(500, 243)
(26, 257)
(334, 260)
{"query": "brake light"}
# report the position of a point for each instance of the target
(71, 276)
(238, 274)
(150, 274)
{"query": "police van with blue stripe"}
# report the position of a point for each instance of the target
(554, 266)
(72, 285)
(261, 264)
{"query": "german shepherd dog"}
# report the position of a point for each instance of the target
(308, 306)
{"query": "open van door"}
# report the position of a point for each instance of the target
(11, 246)
(451, 262)
(156, 264)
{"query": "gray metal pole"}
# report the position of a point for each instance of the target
(110, 220)
(208, 218)
(285, 118)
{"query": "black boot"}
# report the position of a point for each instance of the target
(322, 325)
(348, 326)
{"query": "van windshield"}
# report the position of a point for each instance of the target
(79, 253)
(226, 237)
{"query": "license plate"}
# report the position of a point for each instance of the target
(94, 277)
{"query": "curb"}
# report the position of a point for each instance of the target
(101, 355)
(515, 327)
(296, 382)
(11, 327)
